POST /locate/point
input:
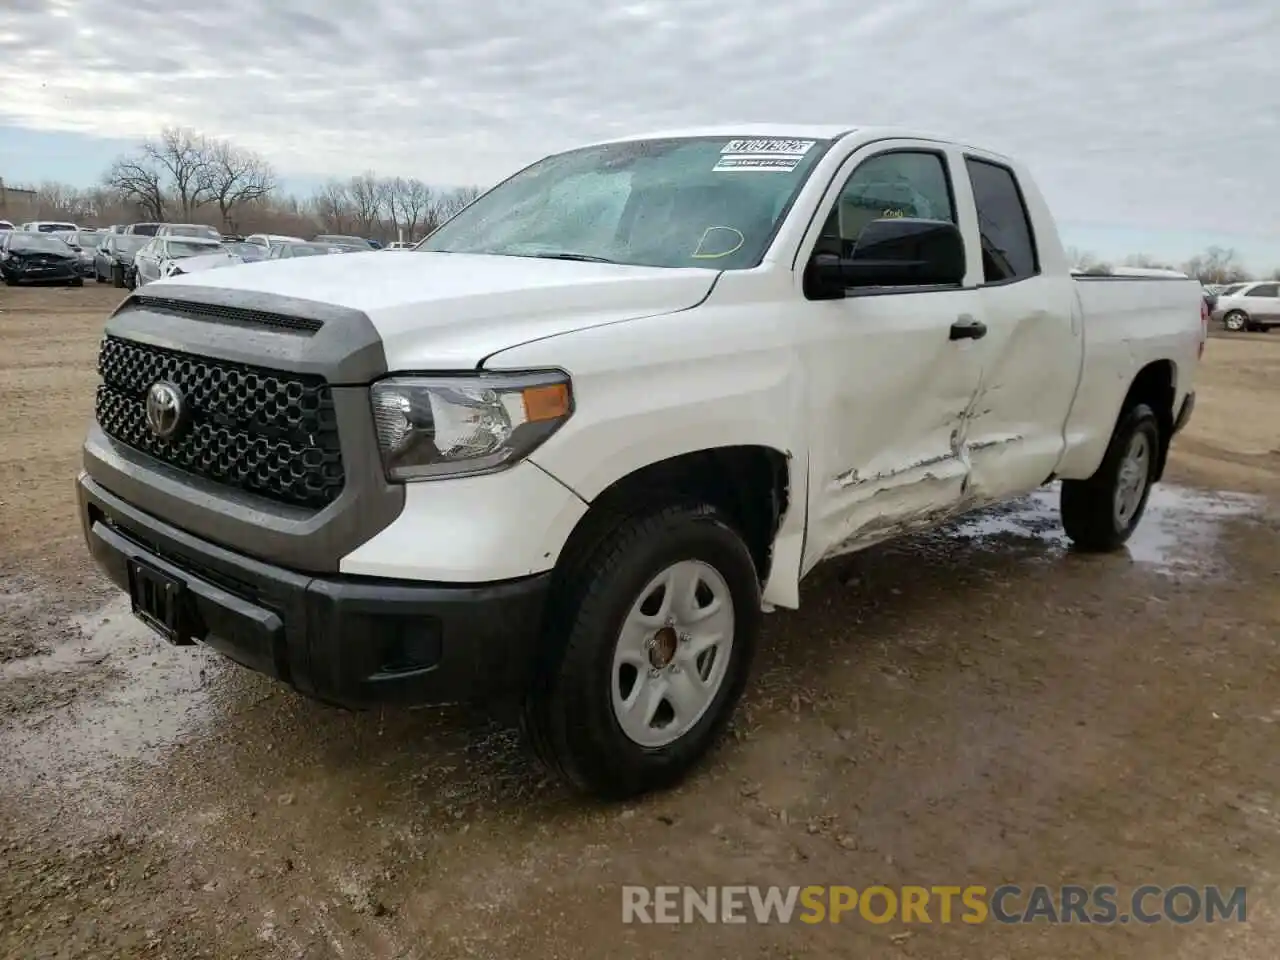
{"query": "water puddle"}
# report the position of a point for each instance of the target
(1178, 533)
(113, 695)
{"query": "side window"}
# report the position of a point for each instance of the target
(1266, 290)
(905, 183)
(1008, 244)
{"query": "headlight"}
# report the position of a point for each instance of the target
(431, 427)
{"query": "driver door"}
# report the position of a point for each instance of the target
(888, 379)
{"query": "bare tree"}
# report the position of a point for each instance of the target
(392, 196)
(331, 205)
(138, 180)
(415, 205)
(1080, 259)
(1216, 265)
(183, 155)
(1143, 260)
(366, 192)
(232, 176)
(451, 201)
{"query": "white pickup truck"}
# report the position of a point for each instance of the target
(567, 451)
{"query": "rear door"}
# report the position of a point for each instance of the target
(1263, 303)
(885, 381)
(1013, 436)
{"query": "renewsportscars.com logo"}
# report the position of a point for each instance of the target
(974, 904)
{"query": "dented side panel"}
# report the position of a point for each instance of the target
(887, 391)
(1030, 369)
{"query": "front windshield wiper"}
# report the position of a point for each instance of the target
(583, 257)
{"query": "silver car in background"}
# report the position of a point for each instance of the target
(153, 261)
(1249, 306)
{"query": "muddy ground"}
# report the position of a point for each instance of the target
(975, 706)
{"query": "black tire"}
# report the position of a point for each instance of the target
(1089, 512)
(117, 276)
(1236, 320)
(98, 277)
(10, 282)
(568, 716)
(77, 282)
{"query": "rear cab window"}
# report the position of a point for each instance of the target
(1008, 240)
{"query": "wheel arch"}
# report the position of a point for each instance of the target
(1156, 385)
(751, 484)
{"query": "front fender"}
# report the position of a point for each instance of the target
(653, 389)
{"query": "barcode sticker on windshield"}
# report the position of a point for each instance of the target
(771, 148)
(777, 156)
(774, 164)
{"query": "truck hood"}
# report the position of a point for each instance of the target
(451, 310)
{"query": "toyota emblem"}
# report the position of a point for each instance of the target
(165, 409)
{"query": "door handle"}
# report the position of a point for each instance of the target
(968, 327)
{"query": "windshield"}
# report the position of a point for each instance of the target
(306, 249)
(128, 243)
(187, 230)
(88, 239)
(688, 202)
(37, 243)
(246, 251)
(187, 248)
(55, 227)
(1233, 288)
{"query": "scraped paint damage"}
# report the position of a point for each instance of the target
(901, 487)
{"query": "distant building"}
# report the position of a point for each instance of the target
(15, 194)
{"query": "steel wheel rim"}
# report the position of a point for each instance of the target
(672, 654)
(1131, 484)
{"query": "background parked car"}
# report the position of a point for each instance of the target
(30, 256)
(248, 252)
(152, 261)
(1251, 306)
(147, 229)
(341, 240)
(85, 244)
(285, 251)
(113, 259)
(188, 230)
(49, 226)
(5, 225)
(269, 240)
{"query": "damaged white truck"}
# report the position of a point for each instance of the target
(567, 451)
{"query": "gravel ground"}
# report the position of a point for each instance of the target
(975, 706)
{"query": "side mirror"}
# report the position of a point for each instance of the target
(891, 252)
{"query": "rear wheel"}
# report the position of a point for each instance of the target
(1236, 320)
(650, 641)
(1101, 513)
(77, 282)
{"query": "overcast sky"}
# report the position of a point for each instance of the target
(1156, 117)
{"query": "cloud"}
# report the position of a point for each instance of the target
(1153, 112)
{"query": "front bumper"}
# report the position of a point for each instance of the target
(44, 273)
(350, 641)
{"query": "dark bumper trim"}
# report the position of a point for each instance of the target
(350, 641)
(1184, 414)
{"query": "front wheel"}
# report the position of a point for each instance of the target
(1101, 513)
(1236, 320)
(650, 642)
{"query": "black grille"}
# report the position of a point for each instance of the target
(218, 313)
(270, 433)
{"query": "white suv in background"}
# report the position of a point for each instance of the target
(1252, 306)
